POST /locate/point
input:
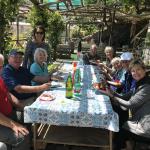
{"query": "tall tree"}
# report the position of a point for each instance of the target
(52, 21)
(8, 13)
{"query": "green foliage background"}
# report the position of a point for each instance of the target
(8, 13)
(38, 16)
(52, 21)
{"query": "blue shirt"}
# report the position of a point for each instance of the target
(118, 74)
(116, 78)
(128, 83)
(38, 70)
(13, 77)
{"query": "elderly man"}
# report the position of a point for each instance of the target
(11, 132)
(18, 79)
(91, 56)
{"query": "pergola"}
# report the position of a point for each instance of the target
(100, 13)
(100, 9)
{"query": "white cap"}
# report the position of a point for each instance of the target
(126, 56)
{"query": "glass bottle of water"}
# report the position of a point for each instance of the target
(77, 83)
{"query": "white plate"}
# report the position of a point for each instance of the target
(46, 97)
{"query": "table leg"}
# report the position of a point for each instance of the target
(110, 140)
(34, 135)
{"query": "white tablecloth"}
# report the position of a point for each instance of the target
(91, 109)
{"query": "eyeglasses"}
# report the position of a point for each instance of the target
(39, 33)
(125, 61)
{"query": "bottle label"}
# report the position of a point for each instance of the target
(69, 87)
(69, 94)
(77, 89)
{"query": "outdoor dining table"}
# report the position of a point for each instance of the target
(68, 120)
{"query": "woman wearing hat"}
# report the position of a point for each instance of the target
(138, 102)
(126, 82)
(127, 85)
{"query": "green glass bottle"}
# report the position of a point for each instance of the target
(69, 86)
(77, 83)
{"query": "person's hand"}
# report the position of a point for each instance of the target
(101, 65)
(20, 105)
(57, 78)
(110, 92)
(93, 62)
(107, 92)
(103, 71)
(114, 83)
(98, 61)
(18, 128)
(46, 86)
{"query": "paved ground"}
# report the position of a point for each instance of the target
(66, 147)
(139, 146)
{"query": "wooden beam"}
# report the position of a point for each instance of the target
(35, 2)
(49, 3)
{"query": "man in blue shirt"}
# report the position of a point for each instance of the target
(12, 133)
(18, 79)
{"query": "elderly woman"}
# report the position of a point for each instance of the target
(125, 85)
(38, 41)
(138, 102)
(109, 52)
(39, 67)
(116, 74)
(107, 67)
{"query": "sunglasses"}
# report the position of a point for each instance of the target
(39, 33)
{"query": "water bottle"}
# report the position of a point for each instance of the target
(77, 82)
(69, 87)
